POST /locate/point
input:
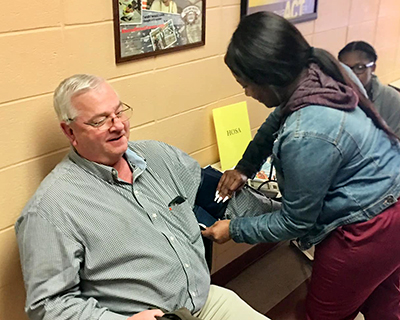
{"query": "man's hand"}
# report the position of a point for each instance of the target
(147, 315)
(218, 232)
(231, 181)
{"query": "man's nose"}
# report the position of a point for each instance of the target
(116, 123)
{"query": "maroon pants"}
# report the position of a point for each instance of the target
(357, 269)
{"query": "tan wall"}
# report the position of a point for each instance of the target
(45, 41)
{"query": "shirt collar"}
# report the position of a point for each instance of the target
(107, 173)
(135, 159)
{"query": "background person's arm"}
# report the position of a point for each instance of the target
(389, 100)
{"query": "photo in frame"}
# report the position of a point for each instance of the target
(293, 10)
(145, 28)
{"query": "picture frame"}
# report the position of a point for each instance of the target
(295, 11)
(144, 28)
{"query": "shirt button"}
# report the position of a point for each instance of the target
(154, 215)
(187, 265)
(114, 172)
(137, 192)
(193, 294)
(172, 238)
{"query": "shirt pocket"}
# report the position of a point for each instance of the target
(183, 220)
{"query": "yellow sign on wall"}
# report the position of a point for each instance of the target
(232, 127)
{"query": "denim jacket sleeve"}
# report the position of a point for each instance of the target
(309, 164)
(260, 148)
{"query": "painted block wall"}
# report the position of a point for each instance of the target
(45, 41)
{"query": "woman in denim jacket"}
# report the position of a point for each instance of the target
(338, 167)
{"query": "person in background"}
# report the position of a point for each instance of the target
(361, 57)
(111, 233)
(337, 165)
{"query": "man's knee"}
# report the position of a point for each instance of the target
(234, 307)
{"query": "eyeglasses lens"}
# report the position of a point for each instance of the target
(359, 68)
(124, 115)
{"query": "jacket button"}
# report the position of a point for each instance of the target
(390, 200)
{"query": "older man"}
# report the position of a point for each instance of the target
(104, 236)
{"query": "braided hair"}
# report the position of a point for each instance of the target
(361, 46)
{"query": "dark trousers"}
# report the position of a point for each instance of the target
(357, 268)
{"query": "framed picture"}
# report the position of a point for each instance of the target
(293, 10)
(145, 28)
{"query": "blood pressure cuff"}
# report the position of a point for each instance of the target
(206, 195)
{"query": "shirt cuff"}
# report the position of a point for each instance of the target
(108, 315)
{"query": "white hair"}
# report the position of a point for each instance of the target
(70, 87)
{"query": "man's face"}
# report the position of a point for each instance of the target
(358, 59)
(96, 144)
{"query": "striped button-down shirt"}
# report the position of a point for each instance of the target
(95, 247)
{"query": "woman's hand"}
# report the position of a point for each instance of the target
(231, 181)
(147, 315)
(218, 232)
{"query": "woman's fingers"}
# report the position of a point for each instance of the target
(218, 232)
(231, 181)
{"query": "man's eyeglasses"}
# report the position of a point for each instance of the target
(103, 123)
(360, 68)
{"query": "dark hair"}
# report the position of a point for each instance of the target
(262, 50)
(266, 49)
(362, 46)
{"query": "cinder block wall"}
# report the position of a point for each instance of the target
(44, 41)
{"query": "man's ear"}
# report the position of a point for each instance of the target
(69, 133)
(373, 68)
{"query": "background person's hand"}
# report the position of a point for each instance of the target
(231, 181)
(147, 315)
(218, 232)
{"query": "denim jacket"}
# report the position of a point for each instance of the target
(334, 168)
